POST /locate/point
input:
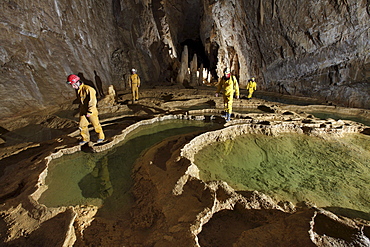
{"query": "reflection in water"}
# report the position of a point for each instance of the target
(97, 184)
(105, 178)
(294, 167)
(349, 213)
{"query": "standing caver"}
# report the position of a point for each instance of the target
(229, 85)
(88, 109)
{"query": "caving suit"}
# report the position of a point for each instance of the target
(229, 87)
(251, 87)
(134, 82)
(87, 98)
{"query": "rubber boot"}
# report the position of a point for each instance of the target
(228, 117)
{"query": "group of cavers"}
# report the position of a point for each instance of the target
(228, 85)
(230, 88)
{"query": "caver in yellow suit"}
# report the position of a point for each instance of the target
(229, 85)
(134, 82)
(88, 110)
(251, 87)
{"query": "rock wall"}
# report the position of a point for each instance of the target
(44, 41)
(310, 48)
(317, 48)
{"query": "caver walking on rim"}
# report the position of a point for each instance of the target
(134, 82)
(88, 110)
(229, 85)
(251, 87)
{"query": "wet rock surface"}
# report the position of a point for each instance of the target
(172, 206)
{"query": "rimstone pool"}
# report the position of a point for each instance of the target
(332, 172)
(294, 167)
(105, 178)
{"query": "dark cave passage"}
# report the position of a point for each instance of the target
(196, 47)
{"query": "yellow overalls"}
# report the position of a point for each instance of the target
(134, 82)
(87, 98)
(229, 86)
(251, 86)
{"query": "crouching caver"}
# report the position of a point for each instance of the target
(88, 110)
(229, 86)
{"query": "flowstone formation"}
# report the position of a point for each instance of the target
(172, 205)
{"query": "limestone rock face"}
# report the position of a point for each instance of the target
(321, 49)
(45, 41)
(311, 48)
(308, 48)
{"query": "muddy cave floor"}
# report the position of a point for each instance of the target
(23, 152)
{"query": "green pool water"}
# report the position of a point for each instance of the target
(294, 167)
(104, 179)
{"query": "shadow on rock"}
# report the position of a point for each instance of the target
(51, 233)
(255, 227)
(349, 213)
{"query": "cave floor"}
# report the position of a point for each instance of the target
(159, 218)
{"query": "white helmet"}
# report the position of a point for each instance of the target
(133, 70)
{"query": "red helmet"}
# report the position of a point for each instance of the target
(72, 79)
